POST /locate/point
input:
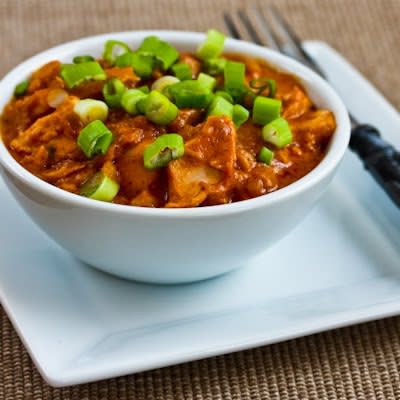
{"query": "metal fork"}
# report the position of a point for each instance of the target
(380, 158)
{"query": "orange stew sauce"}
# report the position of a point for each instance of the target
(219, 165)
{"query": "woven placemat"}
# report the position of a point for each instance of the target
(360, 362)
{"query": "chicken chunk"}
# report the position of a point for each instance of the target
(207, 168)
(314, 130)
(134, 177)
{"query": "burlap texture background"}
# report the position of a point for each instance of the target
(360, 362)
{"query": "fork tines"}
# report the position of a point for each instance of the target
(278, 35)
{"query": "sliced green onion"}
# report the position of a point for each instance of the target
(141, 105)
(143, 65)
(163, 82)
(225, 95)
(265, 110)
(239, 115)
(278, 133)
(95, 138)
(265, 155)
(192, 93)
(100, 187)
(272, 88)
(207, 80)
(129, 100)
(114, 49)
(260, 84)
(182, 71)
(212, 46)
(215, 66)
(219, 107)
(113, 91)
(165, 54)
(75, 74)
(164, 149)
(145, 89)
(159, 109)
(234, 73)
(21, 88)
(124, 60)
(91, 110)
(82, 59)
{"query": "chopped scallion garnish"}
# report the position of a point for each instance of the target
(265, 155)
(21, 88)
(130, 99)
(145, 89)
(113, 91)
(91, 110)
(191, 93)
(82, 59)
(220, 107)
(159, 109)
(164, 149)
(277, 132)
(266, 110)
(212, 46)
(162, 51)
(95, 138)
(124, 60)
(161, 83)
(234, 73)
(114, 49)
(260, 84)
(182, 71)
(207, 80)
(225, 95)
(75, 74)
(100, 187)
(141, 105)
(143, 65)
(215, 66)
(239, 115)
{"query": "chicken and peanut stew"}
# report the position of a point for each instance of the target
(153, 127)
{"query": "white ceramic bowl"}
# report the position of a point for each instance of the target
(171, 245)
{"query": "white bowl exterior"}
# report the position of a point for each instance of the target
(164, 250)
(180, 245)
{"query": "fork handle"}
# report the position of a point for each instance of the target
(380, 158)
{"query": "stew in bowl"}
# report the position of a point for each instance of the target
(155, 127)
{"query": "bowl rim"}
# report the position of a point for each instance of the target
(335, 152)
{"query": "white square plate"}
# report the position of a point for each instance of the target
(340, 266)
